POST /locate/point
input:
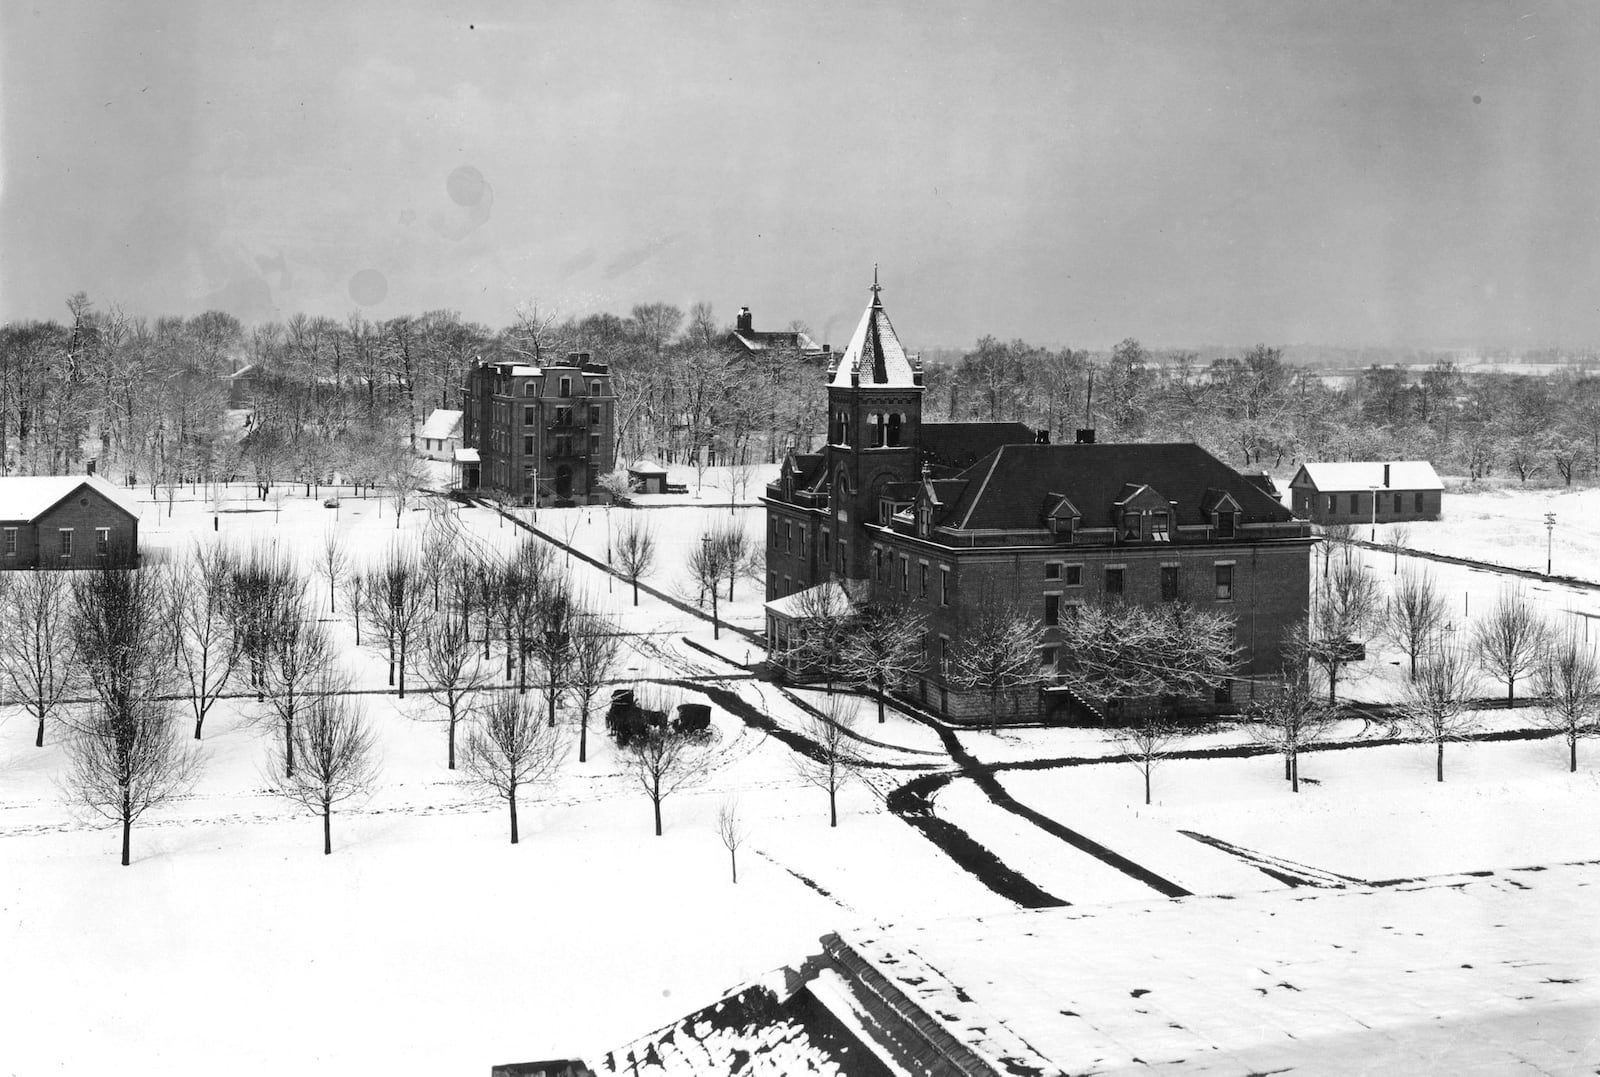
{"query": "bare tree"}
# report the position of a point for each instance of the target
(1116, 651)
(635, 551)
(126, 755)
(731, 829)
(708, 564)
(997, 653)
(820, 619)
(1508, 640)
(454, 671)
(509, 750)
(1414, 614)
(883, 648)
(396, 597)
(1146, 744)
(332, 561)
(733, 552)
(403, 474)
(833, 763)
(596, 651)
(550, 641)
(663, 760)
(38, 658)
(1434, 706)
(1568, 679)
(1343, 616)
(302, 656)
(262, 584)
(1337, 539)
(1399, 536)
(330, 757)
(208, 653)
(1288, 717)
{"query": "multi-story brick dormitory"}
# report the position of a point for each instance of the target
(945, 516)
(545, 432)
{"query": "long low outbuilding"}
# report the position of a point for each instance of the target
(1367, 491)
(66, 521)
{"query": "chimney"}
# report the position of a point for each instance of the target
(744, 321)
(578, 359)
(1041, 436)
(1386, 476)
(1085, 436)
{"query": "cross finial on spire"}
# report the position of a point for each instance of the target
(876, 288)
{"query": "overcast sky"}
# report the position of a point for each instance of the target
(1070, 173)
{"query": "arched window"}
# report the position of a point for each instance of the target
(875, 430)
(896, 422)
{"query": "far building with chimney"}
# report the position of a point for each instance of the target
(1367, 491)
(946, 516)
(538, 434)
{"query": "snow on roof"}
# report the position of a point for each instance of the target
(875, 354)
(801, 602)
(1362, 474)
(24, 497)
(646, 467)
(443, 423)
(1411, 978)
(466, 456)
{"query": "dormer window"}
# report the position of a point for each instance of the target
(1159, 527)
(925, 519)
(1225, 524)
(1132, 526)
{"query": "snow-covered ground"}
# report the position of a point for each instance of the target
(428, 944)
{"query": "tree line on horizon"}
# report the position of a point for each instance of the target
(150, 398)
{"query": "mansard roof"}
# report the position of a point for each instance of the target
(874, 356)
(1004, 490)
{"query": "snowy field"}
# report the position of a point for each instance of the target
(427, 944)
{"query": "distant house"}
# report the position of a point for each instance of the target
(748, 340)
(645, 477)
(1343, 493)
(441, 435)
(66, 521)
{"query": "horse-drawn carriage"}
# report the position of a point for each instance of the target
(626, 720)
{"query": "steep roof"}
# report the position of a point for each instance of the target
(443, 423)
(1362, 474)
(874, 353)
(1010, 487)
(26, 497)
(960, 445)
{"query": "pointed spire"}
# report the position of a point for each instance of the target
(877, 301)
(874, 355)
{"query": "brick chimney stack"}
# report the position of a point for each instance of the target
(744, 323)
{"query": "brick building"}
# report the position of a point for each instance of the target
(545, 432)
(945, 516)
(1367, 492)
(66, 521)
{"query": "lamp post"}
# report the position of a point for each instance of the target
(1549, 540)
(1373, 535)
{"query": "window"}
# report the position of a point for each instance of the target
(1158, 527)
(594, 414)
(772, 526)
(944, 585)
(1355, 504)
(827, 551)
(594, 444)
(1169, 583)
(563, 446)
(1333, 503)
(802, 542)
(1052, 570)
(922, 573)
(564, 416)
(944, 653)
(1416, 501)
(1052, 609)
(772, 584)
(905, 575)
(877, 563)
(594, 390)
(1224, 525)
(1130, 527)
(66, 541)
(566, 386)
(1074, 576)
(530, 415)
(529, 477)
(102, 541)
(1047, 657)
(530, 388)
(8, 542)
(788, 538)
(896, 423)
(1225, 583)
(1114, 580)
(527, 444)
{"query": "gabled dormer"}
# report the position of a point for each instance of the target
(1222, 512)
(1061, 517)
(1142, 515)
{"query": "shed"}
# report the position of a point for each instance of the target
(1367, 491)
(66, 521)
(647, 478)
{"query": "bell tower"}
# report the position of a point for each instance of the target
(874, 418)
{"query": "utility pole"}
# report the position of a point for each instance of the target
(1549, 540)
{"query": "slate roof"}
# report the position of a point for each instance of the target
(761, 339)
(26, 497)
(1011, 486)
(1354, 475)
(874, 352)
(960, 445)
